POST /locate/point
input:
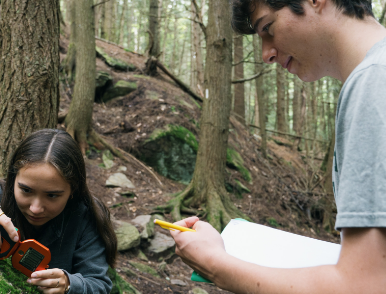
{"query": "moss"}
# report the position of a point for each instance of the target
(120, 286)
(235, 161)
(13, 281)
(177, 132)
(142, 77)
(273, 222)
(145, 268)
(121, 88)
(114, 62)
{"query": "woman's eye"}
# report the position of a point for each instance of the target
(266, 27)
(53, 195)
(25, 190)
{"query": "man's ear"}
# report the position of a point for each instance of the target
(318, 5)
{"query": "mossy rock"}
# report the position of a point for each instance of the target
(235, 161)
(120, 286)
(145, 268)
(172, 152)
(114, 62)
(13, 281)
(102, 78)
(121, 88)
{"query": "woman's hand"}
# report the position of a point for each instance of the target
(7, 224)
(50, 281)
(200, 250)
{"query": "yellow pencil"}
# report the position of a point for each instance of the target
(170, 226)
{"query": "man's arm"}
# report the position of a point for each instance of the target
(361, 267)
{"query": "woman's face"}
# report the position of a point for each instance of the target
(41, 193)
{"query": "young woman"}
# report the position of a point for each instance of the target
(46, 197)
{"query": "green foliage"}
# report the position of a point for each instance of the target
(120, 286)
(235, 161)
(273, 222)
(12, 281)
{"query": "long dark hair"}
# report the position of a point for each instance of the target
(60, 150)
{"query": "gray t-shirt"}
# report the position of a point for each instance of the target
(359, 169)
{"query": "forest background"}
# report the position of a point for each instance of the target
(259, 141)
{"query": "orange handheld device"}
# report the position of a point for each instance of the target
(27, 256)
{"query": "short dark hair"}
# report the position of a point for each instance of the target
(242, 10)
(59, 149)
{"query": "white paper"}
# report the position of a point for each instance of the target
(270, 247)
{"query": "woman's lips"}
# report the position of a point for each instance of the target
(34, 218)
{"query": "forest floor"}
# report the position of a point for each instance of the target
(280, 193)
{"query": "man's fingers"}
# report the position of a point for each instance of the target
(187, 222)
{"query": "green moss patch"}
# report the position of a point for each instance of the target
(145, 268)
(114, 62)
(120, 286)
(235, 161)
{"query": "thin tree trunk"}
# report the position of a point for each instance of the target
(78, 119)
(97, 13)
(69, 62)
(296, 105)
(181, 57)
(29, 71)
(122, 22)
(280, 106)
(260, 95)
(328, 222)
(239, 90)
(109, 21)
(175, 41)
(197, 36)
(154, 28)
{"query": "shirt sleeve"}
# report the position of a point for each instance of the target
(361, 150)
(89, 264)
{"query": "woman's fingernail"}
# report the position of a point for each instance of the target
(15, 239)
(33, 275)
(29, 281)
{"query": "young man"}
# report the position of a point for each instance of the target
(313, 39)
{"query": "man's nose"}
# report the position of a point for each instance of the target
(269, 53)
(36, 206)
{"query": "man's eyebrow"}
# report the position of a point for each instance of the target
(257, 23)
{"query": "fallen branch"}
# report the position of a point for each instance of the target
(250, 78)
(100, 3)
(291, 135)
(115, 44)
(180, 83)
(120, 153)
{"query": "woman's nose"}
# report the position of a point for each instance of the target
(269, 53)
(36, 207)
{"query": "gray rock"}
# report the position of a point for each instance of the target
(146, 223)
(178, 282)
(127, 235)
(121, 88)
(119, 180)
(161, 243)
(157, 216)
(199, 291)
(122, 168)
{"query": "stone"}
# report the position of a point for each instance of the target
(122, 168)
(119, 180)
(172, 152)
(142, 256)
(146, 223)
(107, 159)
(114, 62)
(199, 291)
(160, 243)
(178, 282)
(157, 216)
(121, 88)
(145, 268)
(127, 235)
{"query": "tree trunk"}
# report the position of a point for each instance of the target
(154, 28)
(122, 22)
(199, 65)
(296, 105)
(78, 119)
(97, 15)
(109, 21)
(280, 106)
(69, 62)
(260, 94)
(29, 71)
(207, 187)
(239, 90)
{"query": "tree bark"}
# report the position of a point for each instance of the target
(109, 21)
(69, 62)
(296, 105)
(199, 65)
(29, 71)
(122, 22)
(154, 28)
(260, 95)
(79, 117)
(280, 106)
(207, 187)
(239, 90)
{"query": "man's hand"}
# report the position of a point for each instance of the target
(50, 281)
(198, 249)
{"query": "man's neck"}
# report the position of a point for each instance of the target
(352, 39)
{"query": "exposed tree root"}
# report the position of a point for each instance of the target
(218, 209)
(96, 138)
